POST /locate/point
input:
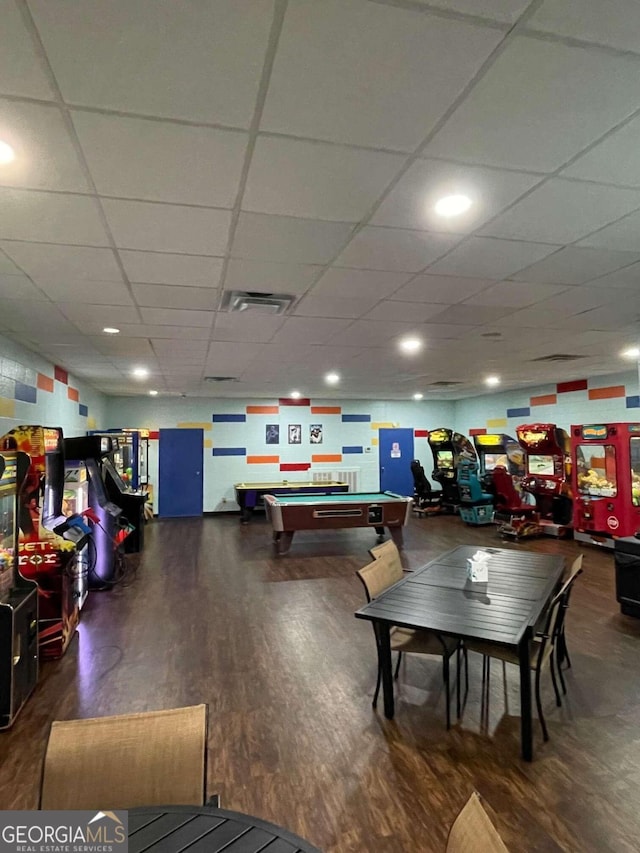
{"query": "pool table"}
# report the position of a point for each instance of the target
(250, 495)
(356, 509)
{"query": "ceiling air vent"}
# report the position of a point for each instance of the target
(558, 356)
(444, 383)
(220, 379)
(256, 302)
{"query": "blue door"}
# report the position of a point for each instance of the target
(396, 453)
(180, 472)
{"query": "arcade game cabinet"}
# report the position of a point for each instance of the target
(501, 471)
(449, 448)
(85, 452)
(476, 505)
(75, 501)
(548, 478)
(18, 599)
(109, 454)
(48, 540)
(606, 482)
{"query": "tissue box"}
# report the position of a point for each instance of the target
(478, 567)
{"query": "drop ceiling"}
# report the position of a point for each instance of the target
(167, 153)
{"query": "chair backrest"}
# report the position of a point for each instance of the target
(473, 832)
(379, 575)
(421, 484)
(565, 592)
(153, 758)
(507, 496)
(388, 550)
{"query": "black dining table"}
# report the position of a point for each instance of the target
(205, 829)
(505, 609)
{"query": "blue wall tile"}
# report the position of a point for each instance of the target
(356, 419)
(26, 393)
(633, 402)
(524, 412)
(84, 410)
(229, 451)
(236, 419)
(352, 449)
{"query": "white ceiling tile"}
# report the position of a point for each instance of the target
(440, 289)
(533, 85)
(116, 346)
(50, 218)
(131, 329)
(484, 257)
(87, 317)
(327, 306)
(398, 76)
(161, 161)
(245, 326)
(468, 315)
(45, 157)
(574, 265)
(164, 268)
(19, 287)
(142, 225)
(615, 160)
(21, 72)
(505, 11)
(40, 260)
(261, 237)
(394, 249)
(150, 57)
(626, 277)
(7, 267)
(266, 277)
(177, 317)
(621, 236)
(229, 358)
(308, 330)
(515, 294)
(615, 23)
(371, 333)
(25, 316)
(403, 312)
(563, 211)
(316, 180)
(86, 292)
(411, 202)
(166, 296)
(341, 283)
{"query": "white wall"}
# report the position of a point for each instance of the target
(221, 472)
(27, 375)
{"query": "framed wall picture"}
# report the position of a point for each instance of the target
(272, 433)
(295, 433)
(315, 433)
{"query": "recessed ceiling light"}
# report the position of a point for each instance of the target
(295, 395)
(111, 330)
(452, 205)
(418, 396)
(7, 154)
(153, 393)
(140, 372)
(410, 344)
(633, 352)
(332, 378)
(492, 381)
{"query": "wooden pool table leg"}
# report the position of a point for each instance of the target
(396, 535)
(282, 540)
(380, 532)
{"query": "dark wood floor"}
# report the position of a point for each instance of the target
(272, 646)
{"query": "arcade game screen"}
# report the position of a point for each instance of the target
(445, 459)
(541, 465)
(493, 459)
(596, 464)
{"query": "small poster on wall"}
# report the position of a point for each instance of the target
(315, 433)
(295, 433)
(273, 433)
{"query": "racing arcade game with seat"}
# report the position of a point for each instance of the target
(548, 478)
(449, 448)
(476, 505)
(501, 471)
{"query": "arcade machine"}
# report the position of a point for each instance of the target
(449, 448)
(48, 540)
(606, 482)
(75, 500)
(110, 528)
(130, 500)
(18, 599)
(130, 455)
(476, 505)
(548, 478)
(502, 468)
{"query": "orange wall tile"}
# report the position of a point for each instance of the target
(260, 460)
(544, 400)
(607, 393)
(326, 457)
(263, 410)
(73, 394)
(44, 382)
(326, 410)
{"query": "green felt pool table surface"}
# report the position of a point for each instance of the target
(346, 497)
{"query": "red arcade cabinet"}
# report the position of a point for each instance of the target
(44, 555)
(548, 478)
(606, 482)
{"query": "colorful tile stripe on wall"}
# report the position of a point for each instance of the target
(21, 384)
(608, 393)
